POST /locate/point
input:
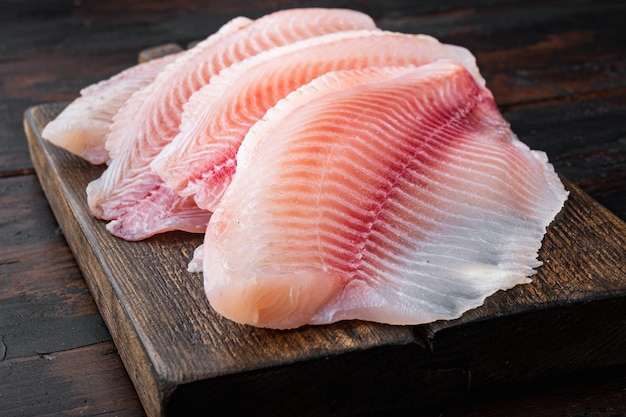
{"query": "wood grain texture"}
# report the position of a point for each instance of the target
(100, 388)
(557, 70)
(183, 356)
(172, 342)
(538, 54)
(43, 297)
(593, 394)
(586, 142)
(531, 52)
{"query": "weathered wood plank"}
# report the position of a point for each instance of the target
(533, 53)
(49, 60)
(570, 318)
(593, 394)
(545, 53)
(45, 304)
(575, 309)
(90, 381)
(179, 349)
(586, 142)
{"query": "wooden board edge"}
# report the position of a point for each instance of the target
(154, 393)
(158, 51)
(124, 335)
(561, 327)
(155, 390)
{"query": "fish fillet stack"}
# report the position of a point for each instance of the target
(338, 171)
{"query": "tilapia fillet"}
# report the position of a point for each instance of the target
(83, 126)
(394, 195)
(128, 191)
(128, 194)
(200, 160)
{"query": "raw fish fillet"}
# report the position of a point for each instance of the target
(401, 199)
(82, 126)
(135, 198)
(200, 161)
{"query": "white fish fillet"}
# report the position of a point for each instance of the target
(200, 160)
(404, 199)
(128, 192)
(81, 128)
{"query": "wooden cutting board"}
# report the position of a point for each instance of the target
(185, 359)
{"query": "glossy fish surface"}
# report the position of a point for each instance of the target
(200, 160)
(83, 126)
(400, 196)
(128, 193)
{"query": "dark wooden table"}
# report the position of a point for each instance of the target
(557, 70)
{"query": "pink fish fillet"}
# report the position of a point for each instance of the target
(401, 199)
(200, 161)
(135, 198)
(81, 128)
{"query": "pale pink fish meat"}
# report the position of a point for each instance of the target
(402, 199)
(129, 193)
(200, 161)
(81, 128)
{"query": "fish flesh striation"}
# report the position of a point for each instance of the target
(125, 193)
(82, 127)
(338, 171)
(128, 192)
(395, 195)
(200, 160)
